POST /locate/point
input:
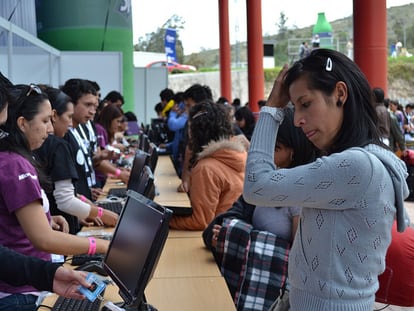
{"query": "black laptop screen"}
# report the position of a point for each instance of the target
(140, 159)
(136, 246)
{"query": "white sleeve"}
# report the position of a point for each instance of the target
(67, 202)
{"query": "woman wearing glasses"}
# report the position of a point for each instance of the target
(349, 197)
(25, 221)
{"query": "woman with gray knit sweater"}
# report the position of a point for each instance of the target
(350, 196)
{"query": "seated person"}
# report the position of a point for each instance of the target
(217, 166)
(239, 246)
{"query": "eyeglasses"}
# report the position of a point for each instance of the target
(3, 134)
(33, 88)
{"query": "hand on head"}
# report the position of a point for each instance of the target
(279, 96)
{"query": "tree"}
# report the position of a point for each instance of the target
(282, 26)
(154, 41)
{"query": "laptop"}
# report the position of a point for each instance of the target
(140, 160)
(136, 246)
(180, 210)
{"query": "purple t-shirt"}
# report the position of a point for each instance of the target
(102, 136)
(19, 186)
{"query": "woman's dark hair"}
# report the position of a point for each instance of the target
(208, 122)
(5, 84)
(322, 69)
(76, 88)
(58, 99)
(293, 137)
(25, 101)
(131, 116)
(249, 119)
(3, 97)
(109, 113)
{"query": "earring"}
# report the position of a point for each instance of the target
(339, 103)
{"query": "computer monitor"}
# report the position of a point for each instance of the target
(136, 247)
(144, 142)
(146, 183)
(140, 160)
(153, 156)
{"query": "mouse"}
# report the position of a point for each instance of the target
(93, 266)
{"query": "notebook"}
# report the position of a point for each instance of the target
(140, 159)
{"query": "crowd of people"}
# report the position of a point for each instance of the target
(304, 197)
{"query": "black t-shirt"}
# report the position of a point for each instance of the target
(83, 161)
(56, 158)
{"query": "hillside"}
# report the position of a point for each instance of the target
(399, 27)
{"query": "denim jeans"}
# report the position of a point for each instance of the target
(18, 302)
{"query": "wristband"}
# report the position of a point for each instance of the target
(117, 173)
(82, 198)
(92, 246)
(100, 212)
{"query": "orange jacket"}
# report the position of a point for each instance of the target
(216, 181)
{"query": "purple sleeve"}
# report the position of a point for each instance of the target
(19, 184)
(102, 136)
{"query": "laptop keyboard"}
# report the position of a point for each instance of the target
(80, 259)
(113, 206)
(70, 304)
(118, 192)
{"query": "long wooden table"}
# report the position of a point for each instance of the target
(186, 277)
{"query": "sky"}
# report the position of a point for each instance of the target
(201, 17)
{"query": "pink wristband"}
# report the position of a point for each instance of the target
(117, 173)
(100, 212)
(92, 246)
(83, 198)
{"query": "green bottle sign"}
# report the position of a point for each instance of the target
(322, 32)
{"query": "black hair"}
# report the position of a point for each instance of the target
(198, 93)
(58, 99)
(114, 96)
(5, 84)
(76, 88)
(222, 100)
(378, 94)
(236, 103)
(25, 101)
(244, 113)
(107, 115)
(131, 116)
(293, 137)
(166, 95)
(323, 69)
(208, 122)
(178, 97)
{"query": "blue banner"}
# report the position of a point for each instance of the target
(169, 44)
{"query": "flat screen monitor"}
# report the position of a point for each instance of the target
(153, 156)
(146, 183)
(136, 247)
(144, 142)
(140, 160)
